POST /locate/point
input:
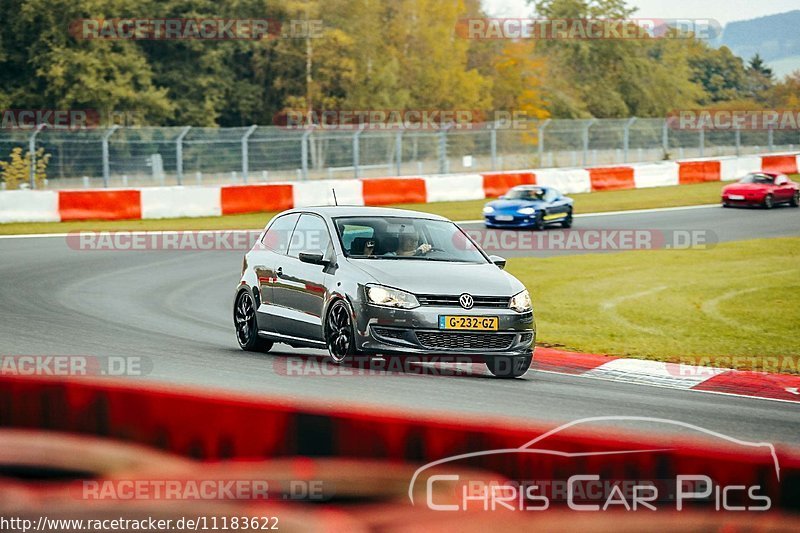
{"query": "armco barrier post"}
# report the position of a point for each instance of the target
(398, 149)
(304, 153)
(106, 163)
(493, 144)
(702, 142)
(32, 151)
(357, 151)
(586, 140)
(626, 140)
(245, 152)
(541, 141)
(443, 163)
(179, 154)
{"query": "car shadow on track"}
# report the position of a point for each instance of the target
(293, 364)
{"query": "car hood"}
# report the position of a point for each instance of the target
(746, 187)
(440, 277)
(513, 205)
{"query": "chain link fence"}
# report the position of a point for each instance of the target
(149, 156)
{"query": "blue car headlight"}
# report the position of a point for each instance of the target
(527, 211)
(488, 210)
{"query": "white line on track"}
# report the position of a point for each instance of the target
(663, 386)
(586, 215)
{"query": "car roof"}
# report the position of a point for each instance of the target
(331, 211)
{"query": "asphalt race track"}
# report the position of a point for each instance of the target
(173, 310)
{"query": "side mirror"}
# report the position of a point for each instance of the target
(781, 180)
(499, 261)
(314, 259)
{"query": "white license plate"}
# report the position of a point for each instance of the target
(504, 218)
(735, 197)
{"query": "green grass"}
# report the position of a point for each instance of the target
(703, 193)
(736, 299)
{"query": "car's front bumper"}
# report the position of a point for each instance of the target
(416, 332)
(519, 221)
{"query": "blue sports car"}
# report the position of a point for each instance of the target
(529, 206)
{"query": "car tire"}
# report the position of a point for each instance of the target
(339, 333)
(502, 366)
(795, 201)
(567, 222)
(768, 202)
(538, 223)
(244, 319)
(725, 204)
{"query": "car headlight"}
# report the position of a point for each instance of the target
(527, 211)
(488, 210)
(521, 302)
(388, 297)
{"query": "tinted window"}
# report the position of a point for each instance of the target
(310, 236)
(277, 236)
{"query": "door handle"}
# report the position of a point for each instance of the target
(279, 271)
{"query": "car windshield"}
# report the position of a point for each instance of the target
(525, 194)
(757, 178)
(392, 238)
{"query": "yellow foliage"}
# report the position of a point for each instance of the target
(17, 171)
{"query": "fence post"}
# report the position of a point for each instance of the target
(32, 151)
(443, 163)
(304, 153)
(627, 138)
(179, 154)
(586, 140)
(665, 137)
(398, 149)
(738, 135)
(357, 150)
(245, 151)
(493, 143)
(106, 163)
(770, 138)
(702, 141)
(541, 141)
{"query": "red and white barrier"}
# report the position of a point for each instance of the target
(202, 201)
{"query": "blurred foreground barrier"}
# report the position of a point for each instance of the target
(198, 201)
(218, 425)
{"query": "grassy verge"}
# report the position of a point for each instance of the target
(738, 299)
(703, 193)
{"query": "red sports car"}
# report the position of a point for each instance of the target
(762, 188)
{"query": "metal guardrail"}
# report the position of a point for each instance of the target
(143, 156)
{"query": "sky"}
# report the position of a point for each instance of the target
(723, 11)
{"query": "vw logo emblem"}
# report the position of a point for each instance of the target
(466, 301)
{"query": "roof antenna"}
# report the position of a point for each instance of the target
(335, 202)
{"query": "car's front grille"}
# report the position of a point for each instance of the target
(497, 302)
(465, 341)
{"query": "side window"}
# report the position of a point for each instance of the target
(552, 195)
(277, 236)
(310, 236)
